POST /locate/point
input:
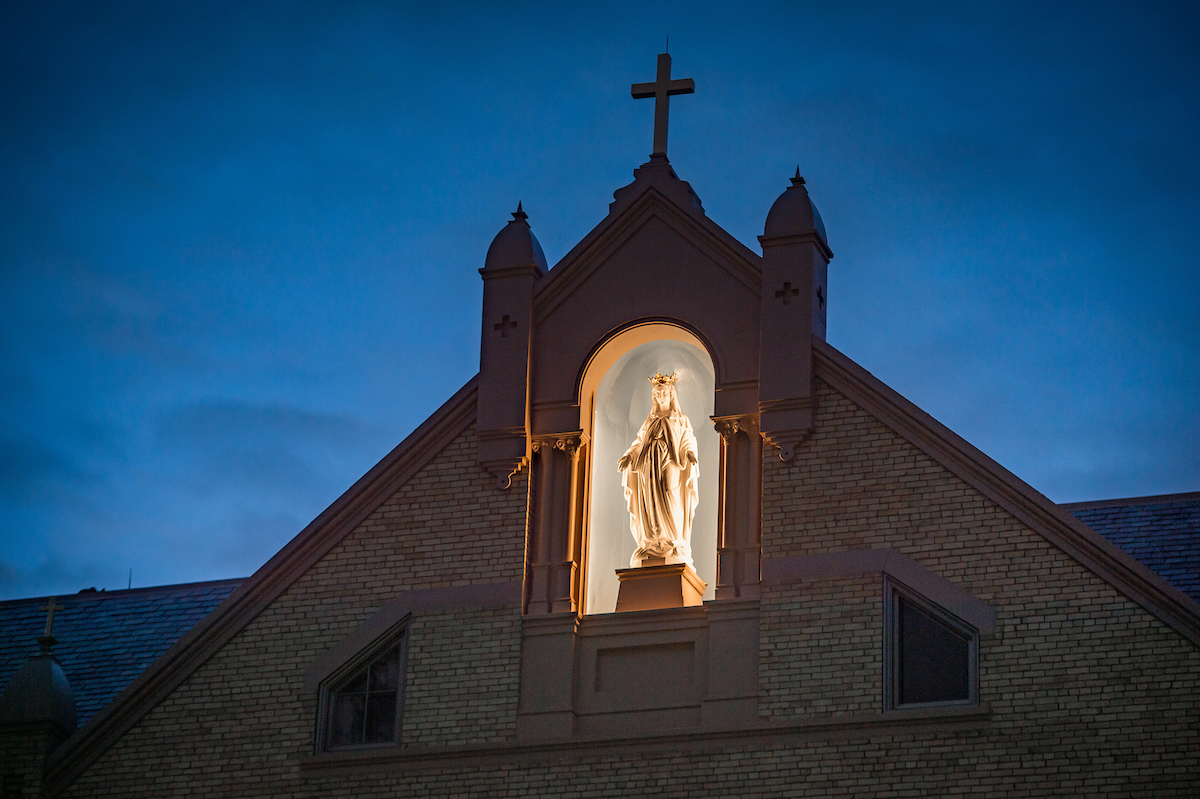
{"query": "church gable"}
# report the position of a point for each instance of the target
(804, 577)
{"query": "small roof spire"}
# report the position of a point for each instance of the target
(519, 214)
(40, 691)
(797, 180)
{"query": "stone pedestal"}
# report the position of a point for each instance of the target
(673, 585)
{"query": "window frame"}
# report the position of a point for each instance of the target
(397, 634)
(893, 592)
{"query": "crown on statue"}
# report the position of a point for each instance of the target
(660, 379)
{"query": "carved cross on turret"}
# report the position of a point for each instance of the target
(786, 293)
(661, 90)
(504, 325)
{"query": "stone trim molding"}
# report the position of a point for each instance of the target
(917, 721)
(856, 562)
(798, 238)
(407, 603)
(1094, 552)
(261, 589)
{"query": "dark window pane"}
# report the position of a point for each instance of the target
(348, 712)
(385, 672)
(381, 718)
(362, 707)
(356, 684)
(934, 660)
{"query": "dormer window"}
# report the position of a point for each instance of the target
(361, 704)
(931, 656)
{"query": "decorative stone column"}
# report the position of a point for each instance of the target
(795, 268)
(513, 266)
(555, 545)
(739, 514)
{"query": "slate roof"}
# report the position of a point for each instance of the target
(1163, 532)
(105, 638)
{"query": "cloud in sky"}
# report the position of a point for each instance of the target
(238, 245)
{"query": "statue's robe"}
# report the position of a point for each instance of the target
(660, 489)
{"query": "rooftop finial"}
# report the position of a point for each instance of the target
(519, 214)
(797, 181)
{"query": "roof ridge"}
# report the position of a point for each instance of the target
(1153, 499)
(100, 593)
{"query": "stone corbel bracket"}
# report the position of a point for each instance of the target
(787, 424)
(509, 452)
(504, 469)
(787, 442)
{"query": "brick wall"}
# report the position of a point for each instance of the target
(22, 756)
(472, 658)
(819, 649)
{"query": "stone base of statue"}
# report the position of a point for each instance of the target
(669, 585)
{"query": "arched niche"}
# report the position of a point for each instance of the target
(614, 402)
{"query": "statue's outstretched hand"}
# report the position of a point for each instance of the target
(623, 464)
(691, 457)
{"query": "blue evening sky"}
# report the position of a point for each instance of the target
(239, 242)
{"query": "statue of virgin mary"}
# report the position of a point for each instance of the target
(659, 473)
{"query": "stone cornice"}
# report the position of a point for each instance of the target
(1031, 508)
(801, 238)
(261, 589)
(436, 758)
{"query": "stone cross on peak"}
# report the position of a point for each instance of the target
(661, 90)
(47, 640)
(50, 608)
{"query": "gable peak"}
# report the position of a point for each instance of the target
(657, 173)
